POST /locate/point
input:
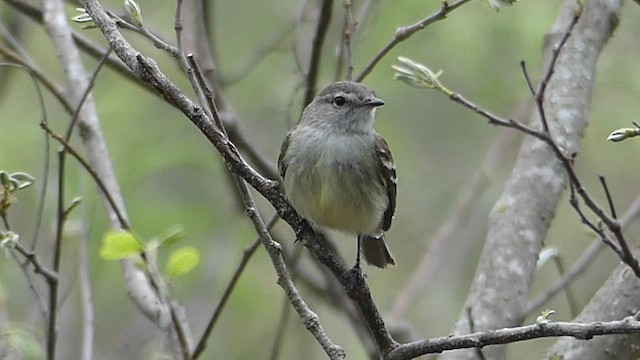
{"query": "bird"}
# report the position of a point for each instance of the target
(338, 173)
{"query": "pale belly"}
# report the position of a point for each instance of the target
(339, 202)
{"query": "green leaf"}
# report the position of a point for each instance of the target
(119, 244)
(182, 260)
(171, 236)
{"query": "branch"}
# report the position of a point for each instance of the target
(316, 51)
(309, 318)
(581, 331)
(403, 33)
(581, 264)
(624, 289)
(122, 221)
(347, 39)
(521, 217)
(55, 19)
(246, 256)
(80, 40)
(49, 275)
(149, 72)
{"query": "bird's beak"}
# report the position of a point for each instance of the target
(373, 101)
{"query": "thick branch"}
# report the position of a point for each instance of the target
(579, 331)
(148, 71)
(619, 296)
(521, 217)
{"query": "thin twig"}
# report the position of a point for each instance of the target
(571, 299)
(57, 254)
(180, 332)
(348, 32)
(403, 33)
(472, 329)
(573, 200)
(246, 256)
(578, 268)
(612, 208)
(179, 329)
(259, 54)
(45, 163)
(85, 164)
(208, 94)
(48, 83)
(542, 86)
(42, 304)
(81, 41)
(285, 310)
(85, 95)
(610, 221)
(157, 41)
(49, 275)
(309, 318)
(612, 224)
(316, 51)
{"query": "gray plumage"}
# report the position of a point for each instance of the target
(338, 172)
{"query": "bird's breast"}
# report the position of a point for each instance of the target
(336, 185)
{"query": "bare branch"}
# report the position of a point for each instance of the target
(49, 275)
(403, 33)
(246, 256)
(518, 223)
(578, 268)
(285, 310)
(612, 208)
(148, 71)
(309, 318)
(122, 221)
(55, 20)
(347, 40)
(260, 53)
(583, 331)
(316, 51)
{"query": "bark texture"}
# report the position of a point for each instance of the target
(519, 221)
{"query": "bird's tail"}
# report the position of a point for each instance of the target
(376, 252)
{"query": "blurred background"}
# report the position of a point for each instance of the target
(169, 174)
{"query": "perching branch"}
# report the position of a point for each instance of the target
(149, 72)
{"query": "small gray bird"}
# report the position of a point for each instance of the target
(338, 173)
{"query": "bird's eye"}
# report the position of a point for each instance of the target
(339, 101)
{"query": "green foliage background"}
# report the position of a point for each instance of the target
(169, 173)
